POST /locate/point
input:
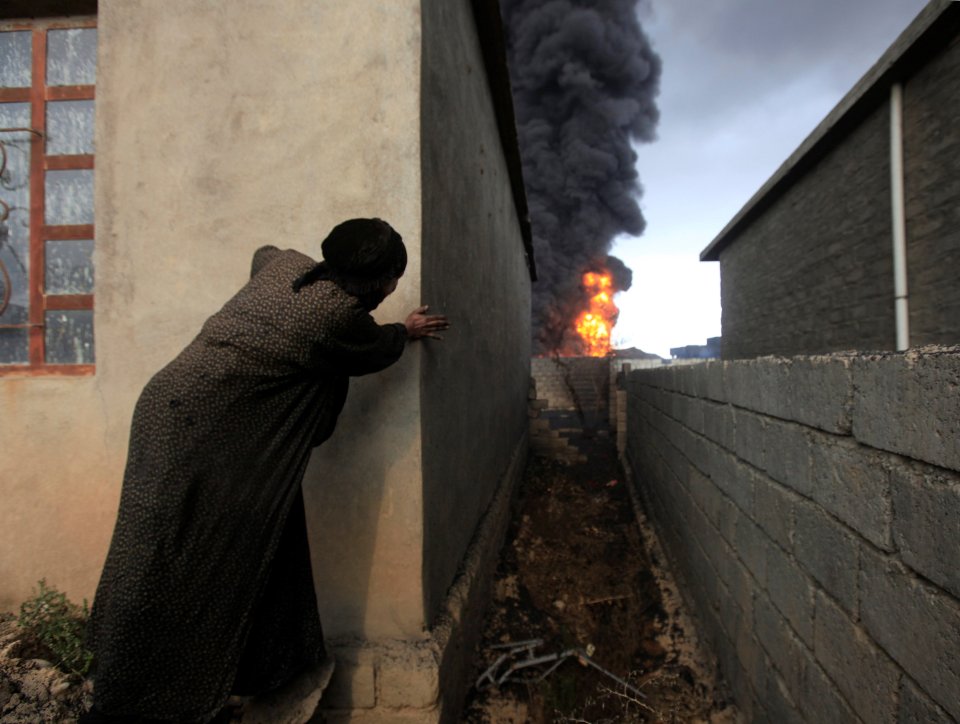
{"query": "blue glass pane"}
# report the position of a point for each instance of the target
(14, 346)
(69, 267)
(15, 59)
(15, 150)
(69, 127)
(72, 56)
(69, 197)
(14, 233)
(69, 337)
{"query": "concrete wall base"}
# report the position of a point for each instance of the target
(427, 680)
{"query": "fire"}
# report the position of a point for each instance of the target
(595, 324)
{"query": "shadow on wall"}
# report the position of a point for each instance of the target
(345, 494)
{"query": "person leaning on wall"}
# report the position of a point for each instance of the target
(207, 589)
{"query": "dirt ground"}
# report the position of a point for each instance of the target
(579, 572)
(32, 690)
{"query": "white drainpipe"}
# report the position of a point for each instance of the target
(899, 218)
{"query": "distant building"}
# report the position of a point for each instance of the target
(633, 353)
(807, 266)
(710, 350)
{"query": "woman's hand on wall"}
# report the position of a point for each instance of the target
(420, 325)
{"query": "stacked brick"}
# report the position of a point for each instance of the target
(811, 506)
(546, 439)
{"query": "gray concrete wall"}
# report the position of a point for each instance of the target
(474, 270)
(814, 273)
(810, 507)
(932, 189)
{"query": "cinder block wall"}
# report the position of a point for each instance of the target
(827, 241)
(932, 167)
(566, 382)
(811, 508)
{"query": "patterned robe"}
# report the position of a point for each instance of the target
(207, 587)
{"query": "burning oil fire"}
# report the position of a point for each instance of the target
(595, 324)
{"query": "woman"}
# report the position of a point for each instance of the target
(207, 588)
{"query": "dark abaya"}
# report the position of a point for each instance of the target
(207, 588)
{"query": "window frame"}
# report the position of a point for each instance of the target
(38, 95)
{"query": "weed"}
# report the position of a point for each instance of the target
(58, 625)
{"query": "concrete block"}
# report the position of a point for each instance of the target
(916, 624)
(910, 404)
(718, 424)
(791, 591)
(352, 685)
(773, 510)
(828, 553)
(814, 391)
(409, 680)
(749, 435)
(926, 523)
(705, 494)
(728, 616)
(733, 478)
(379, 716)
(694, 415)
(702, 453)
(777, 702)
(709, 381)
(787, 457)
(785, 650)
(539, 425)
(729, 516)
(738, 580)
(917, 708)
(749, 652)
(866, 676)
(853, 483)
(822, 701)
(751, 544)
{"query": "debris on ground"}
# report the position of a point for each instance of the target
(579, 573)
(32, 689)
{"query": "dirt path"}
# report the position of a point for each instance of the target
(577, 571)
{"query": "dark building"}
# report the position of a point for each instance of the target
(808, 265)
(710, 350)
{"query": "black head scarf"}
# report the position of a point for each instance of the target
(361, 256)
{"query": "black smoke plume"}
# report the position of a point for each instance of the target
(584, 82)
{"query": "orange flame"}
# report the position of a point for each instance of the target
(595, 324)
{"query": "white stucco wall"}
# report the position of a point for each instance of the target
(220, 127)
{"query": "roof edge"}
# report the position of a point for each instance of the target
(489, 24)
(927, 34)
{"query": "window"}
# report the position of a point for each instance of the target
(47, 76)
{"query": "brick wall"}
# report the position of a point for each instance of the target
(814, 273)
(811, 508)
(932, 190)
(574, 383)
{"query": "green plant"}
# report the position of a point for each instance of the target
(58, 625)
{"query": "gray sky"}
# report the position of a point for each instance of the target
(744, 82)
